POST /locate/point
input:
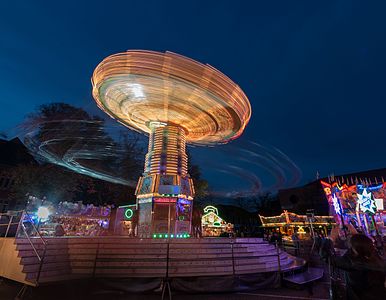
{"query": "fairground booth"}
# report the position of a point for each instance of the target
(125, 220)
(212, 224)
(68, 218)
(358, 202)
(303, 225)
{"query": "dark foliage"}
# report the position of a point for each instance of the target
(79, 131)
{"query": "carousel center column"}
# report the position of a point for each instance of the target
(165, 191)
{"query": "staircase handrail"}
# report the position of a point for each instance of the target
(40, 258)
(34, 227)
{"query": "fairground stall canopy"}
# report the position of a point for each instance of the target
(359, 202)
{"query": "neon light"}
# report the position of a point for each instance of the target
(335, 202)
(184, 201)
(165, 235)
(165, 200)
(126, 206)
(129, 213)
(210, 208)
(366, 202)
(141, 201)
(327, 191)
(325, 183)
(373, 188)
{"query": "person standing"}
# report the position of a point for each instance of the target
(295, 241)
(378, 242)
(364, 269)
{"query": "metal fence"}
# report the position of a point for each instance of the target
(9, 223)
(12, 224)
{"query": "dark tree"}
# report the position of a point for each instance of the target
(266, 204)
(69, 135)
(269, 205)
(200, 185)
(131, 161)
(43, 181)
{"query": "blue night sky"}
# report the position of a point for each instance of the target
(314, 71)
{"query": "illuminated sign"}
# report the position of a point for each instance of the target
(335, 202)
(165, 200)
(210, 208)
(211, 217)
(366, 202)
(379, 204)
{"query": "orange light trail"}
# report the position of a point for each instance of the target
(139, 87)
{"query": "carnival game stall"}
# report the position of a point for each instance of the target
(292, 226)
(78, 219)
(68, 218)
(360, 204)
(212, 224)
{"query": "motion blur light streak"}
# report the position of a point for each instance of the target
(90, 155)
(138, 87)
(84, 148)
(259, 167)
(86, 151)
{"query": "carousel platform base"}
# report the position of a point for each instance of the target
(187, 263)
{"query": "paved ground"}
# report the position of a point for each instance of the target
(87, 290)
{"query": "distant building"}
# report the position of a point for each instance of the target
(12, 154)
(299, 199)
(312, 196)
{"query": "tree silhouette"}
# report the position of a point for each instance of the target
(65, 132)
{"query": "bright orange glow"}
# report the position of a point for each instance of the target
(140, 87)
(166, 152)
